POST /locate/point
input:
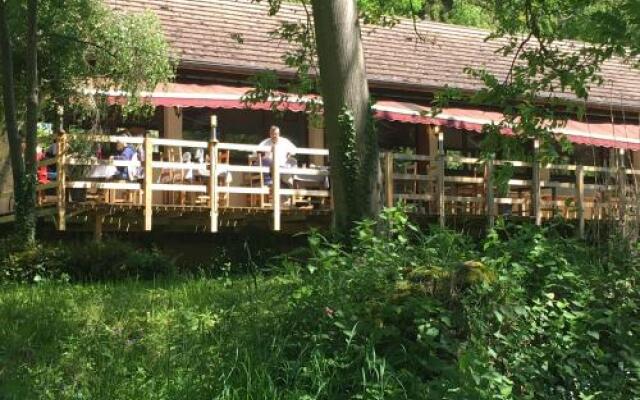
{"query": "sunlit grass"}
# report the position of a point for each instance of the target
(188, 339)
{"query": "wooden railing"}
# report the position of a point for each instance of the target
(446, 186)
(210, 189)
(440, 185)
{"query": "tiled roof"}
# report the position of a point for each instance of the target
(205, 33)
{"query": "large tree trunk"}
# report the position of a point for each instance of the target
(29, 218)
(9, 99)
(352, 142)
(23, 177)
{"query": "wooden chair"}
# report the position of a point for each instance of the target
(169, 175)
(223, 198)
(224, 157)
(257, 180)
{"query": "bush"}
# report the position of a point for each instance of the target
(81, 262)
(529, 314)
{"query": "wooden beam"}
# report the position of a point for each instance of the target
(388, 179)
(275, 182)
(580, 200)
(491, 219)
(148, 183)
(535, 184)
(440, 189)
(97, 231)
(622, 192)
(214, 128)
(62, 177)
(213, 185)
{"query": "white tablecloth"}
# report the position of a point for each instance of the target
(102, 172)
(222, 170)
(312, 180)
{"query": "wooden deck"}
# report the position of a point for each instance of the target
(175, 192)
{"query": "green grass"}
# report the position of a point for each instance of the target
(188, 339)
(527, 314)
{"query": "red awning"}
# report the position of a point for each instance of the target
(625, 136)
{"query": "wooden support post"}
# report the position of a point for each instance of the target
(97, 231)
(622, 192)
(275, 184)
(214, 127)
(489, 195)
(62, 178)
(213, 184)
(388, 179)
(580, 200)
(440, 178)
(148, 181)
(535, 184)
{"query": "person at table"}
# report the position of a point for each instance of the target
(126, 153)
(42, 174)
(286, 149)
(52, 152)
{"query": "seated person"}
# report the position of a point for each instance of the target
(51, 152)
(124, 152)
(286, 151)
(42, 171)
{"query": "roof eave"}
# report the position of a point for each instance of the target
(208, 66)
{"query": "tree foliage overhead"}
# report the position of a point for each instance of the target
(460, 12)
(65, 46)
(83, 42)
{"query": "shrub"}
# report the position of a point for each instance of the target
(81, 262)
(528, 314)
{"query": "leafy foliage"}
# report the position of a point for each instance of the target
(81, 262)
(83, 42)
(396, 314)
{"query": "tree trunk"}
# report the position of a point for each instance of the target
(11, 124)
(29, 227)
(348, 122)
(24, 177)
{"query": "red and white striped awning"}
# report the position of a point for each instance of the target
(624, 136)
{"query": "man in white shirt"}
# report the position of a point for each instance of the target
(286, 149)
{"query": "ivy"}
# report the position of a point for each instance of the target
(349, 161)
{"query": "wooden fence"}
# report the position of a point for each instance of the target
(208, 190)
(443, 185)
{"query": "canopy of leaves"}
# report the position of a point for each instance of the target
(460, 12)
(84, 43)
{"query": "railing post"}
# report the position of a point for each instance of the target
(275, 184)
(213, 184)
(580, 200)
(214, 127)
(489, 195)
(97, 231)
(148, 182)
(62, 178)
(388, 179)
(622, 192)
(535, 184)
(440, 179)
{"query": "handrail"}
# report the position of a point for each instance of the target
(98, 138)
(442, 190)
(96, 162)
(429, 180)
(178, 143)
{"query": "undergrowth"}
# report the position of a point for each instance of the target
(397, 314)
